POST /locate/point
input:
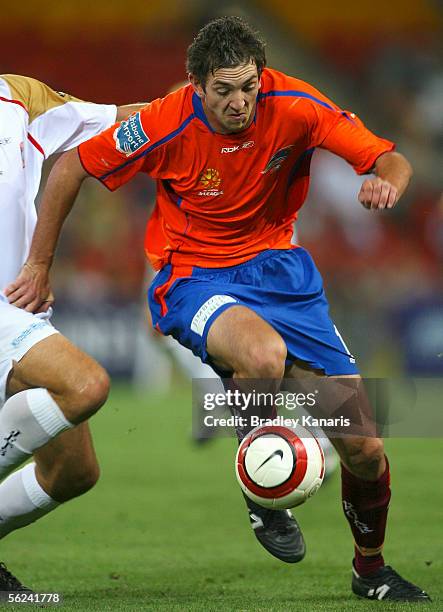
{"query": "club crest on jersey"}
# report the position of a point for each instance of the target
(277, 160)
(130, 136)
(210, 179)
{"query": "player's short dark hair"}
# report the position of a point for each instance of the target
(224, 42)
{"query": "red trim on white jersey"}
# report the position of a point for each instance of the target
(14, 102)
(33, 141)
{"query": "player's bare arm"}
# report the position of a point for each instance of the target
(393, 173)
(31, 289)
(124, 111)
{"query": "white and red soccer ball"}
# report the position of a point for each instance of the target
(279, 467)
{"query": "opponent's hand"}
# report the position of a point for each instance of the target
(377, 194)
(31, 290)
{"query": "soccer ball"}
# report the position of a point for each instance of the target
(279, 467)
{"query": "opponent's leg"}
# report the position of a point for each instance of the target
(76, 382)
(64, 468)
(54, 386)
(241, 342)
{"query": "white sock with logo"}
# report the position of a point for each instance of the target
(28, 420)
(22, 500)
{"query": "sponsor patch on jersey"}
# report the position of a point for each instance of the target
(130, 136)
(203, 314)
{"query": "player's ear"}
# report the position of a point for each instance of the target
(197, 86)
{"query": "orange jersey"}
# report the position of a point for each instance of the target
(224, 198)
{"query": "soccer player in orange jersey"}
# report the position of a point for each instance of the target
(231, 154)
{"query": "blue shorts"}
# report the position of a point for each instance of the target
(283, 287)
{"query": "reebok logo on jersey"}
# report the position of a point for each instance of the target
(130, 136)
(245, 145)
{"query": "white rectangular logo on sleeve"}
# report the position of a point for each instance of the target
(130, 136)
(203, 314)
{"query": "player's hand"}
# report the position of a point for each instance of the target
(377, 194)
(31, 290)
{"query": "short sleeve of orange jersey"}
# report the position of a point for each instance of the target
(118, 153)
(344, 134)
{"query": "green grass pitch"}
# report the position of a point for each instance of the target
(166, 528)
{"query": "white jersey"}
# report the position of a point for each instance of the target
(35, 122)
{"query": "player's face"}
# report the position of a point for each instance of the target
(229, 97)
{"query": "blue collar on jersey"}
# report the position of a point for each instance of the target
(200, 113)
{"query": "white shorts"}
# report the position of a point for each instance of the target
(19, 331)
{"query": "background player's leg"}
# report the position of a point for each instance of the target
(65, 468)
(55, 386)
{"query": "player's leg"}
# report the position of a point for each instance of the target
(241, 342)
(332, 460)
(365, 496)
(365, 488)
(64, 468)
(74, 380)
(53, 387)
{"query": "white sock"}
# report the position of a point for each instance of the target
(28, 420)
(22, 500)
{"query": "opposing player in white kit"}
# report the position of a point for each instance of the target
(48, 387)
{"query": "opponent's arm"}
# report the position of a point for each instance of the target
(30, 290)
(393, 173)
(124, 111)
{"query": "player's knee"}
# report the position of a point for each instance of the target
(79, 482)
(267, 360)
(365, 456)
(87, 479)
(88, 394)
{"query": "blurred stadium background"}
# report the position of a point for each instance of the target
(382, 271)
